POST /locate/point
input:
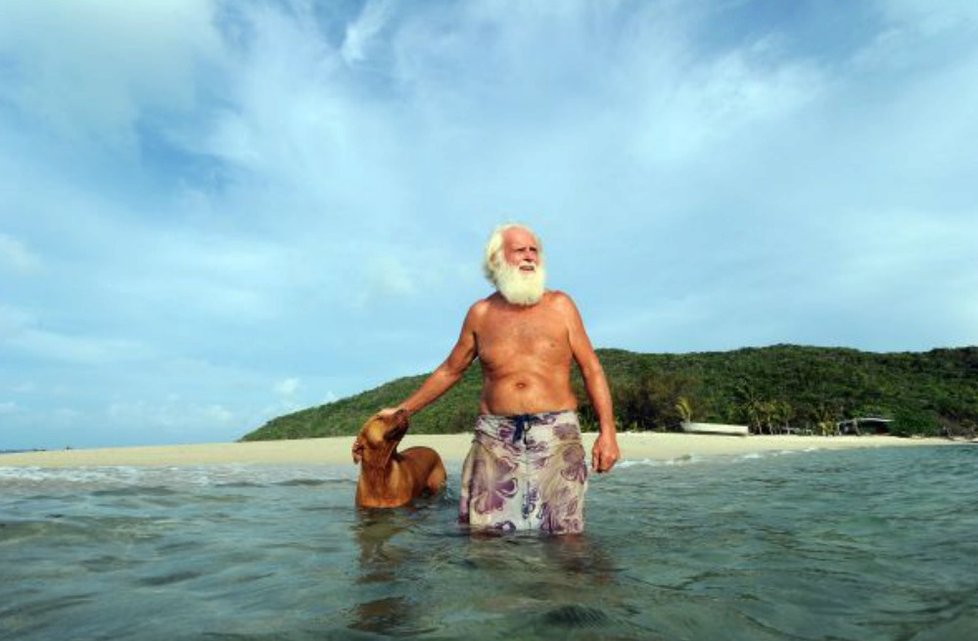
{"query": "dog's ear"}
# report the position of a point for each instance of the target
(357, 450)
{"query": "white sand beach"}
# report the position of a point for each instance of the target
(635, 446)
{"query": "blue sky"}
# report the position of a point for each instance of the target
(213, 213)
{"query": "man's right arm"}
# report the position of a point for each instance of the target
(450, 371)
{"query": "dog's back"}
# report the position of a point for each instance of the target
(426, 468)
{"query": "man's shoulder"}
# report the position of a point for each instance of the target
(479, 308)
(558, 295)
(559, 298)
(482, 304)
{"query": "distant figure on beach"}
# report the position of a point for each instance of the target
(526, 469)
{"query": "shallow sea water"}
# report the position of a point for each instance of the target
(858, 544)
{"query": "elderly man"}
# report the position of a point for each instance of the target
(526, 468)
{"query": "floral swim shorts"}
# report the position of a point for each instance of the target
(525, 472)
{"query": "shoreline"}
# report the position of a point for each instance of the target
(334, 450)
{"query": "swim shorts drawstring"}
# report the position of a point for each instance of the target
(522, 425)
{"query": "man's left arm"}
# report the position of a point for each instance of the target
(605, 452)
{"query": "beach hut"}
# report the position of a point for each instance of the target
(864, 425)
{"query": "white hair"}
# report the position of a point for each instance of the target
(492, 259)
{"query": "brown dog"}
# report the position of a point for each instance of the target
(389, 478)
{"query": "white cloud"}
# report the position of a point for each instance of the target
(931, 18)
(287, 387)
(25, 387)
(20, 331)
(207, 275)
(175, 416)
(16, 257)
(382, 277)
(12, 321)
(93, 70)
(719, 97)
(78, 349)
(218, 414)
(361, 32)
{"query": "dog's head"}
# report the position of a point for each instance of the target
(380, 434)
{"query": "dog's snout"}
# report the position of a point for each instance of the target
(396, 432)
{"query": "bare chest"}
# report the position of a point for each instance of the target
(507, 337)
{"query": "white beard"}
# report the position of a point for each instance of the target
(520, 287)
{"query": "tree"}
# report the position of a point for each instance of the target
(685, 409)
(827, 419)
(651, 400)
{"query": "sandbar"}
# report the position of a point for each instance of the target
(635, 446)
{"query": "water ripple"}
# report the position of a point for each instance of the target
(865, 545)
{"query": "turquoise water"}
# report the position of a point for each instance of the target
(867, 544)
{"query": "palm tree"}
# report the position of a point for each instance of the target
(784, 413)
(750, 405)
(685, 409)
(825, 418)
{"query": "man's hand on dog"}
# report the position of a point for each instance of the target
(387, 412)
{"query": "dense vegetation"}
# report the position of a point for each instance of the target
(768, 388)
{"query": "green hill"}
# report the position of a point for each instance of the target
(807, 387)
